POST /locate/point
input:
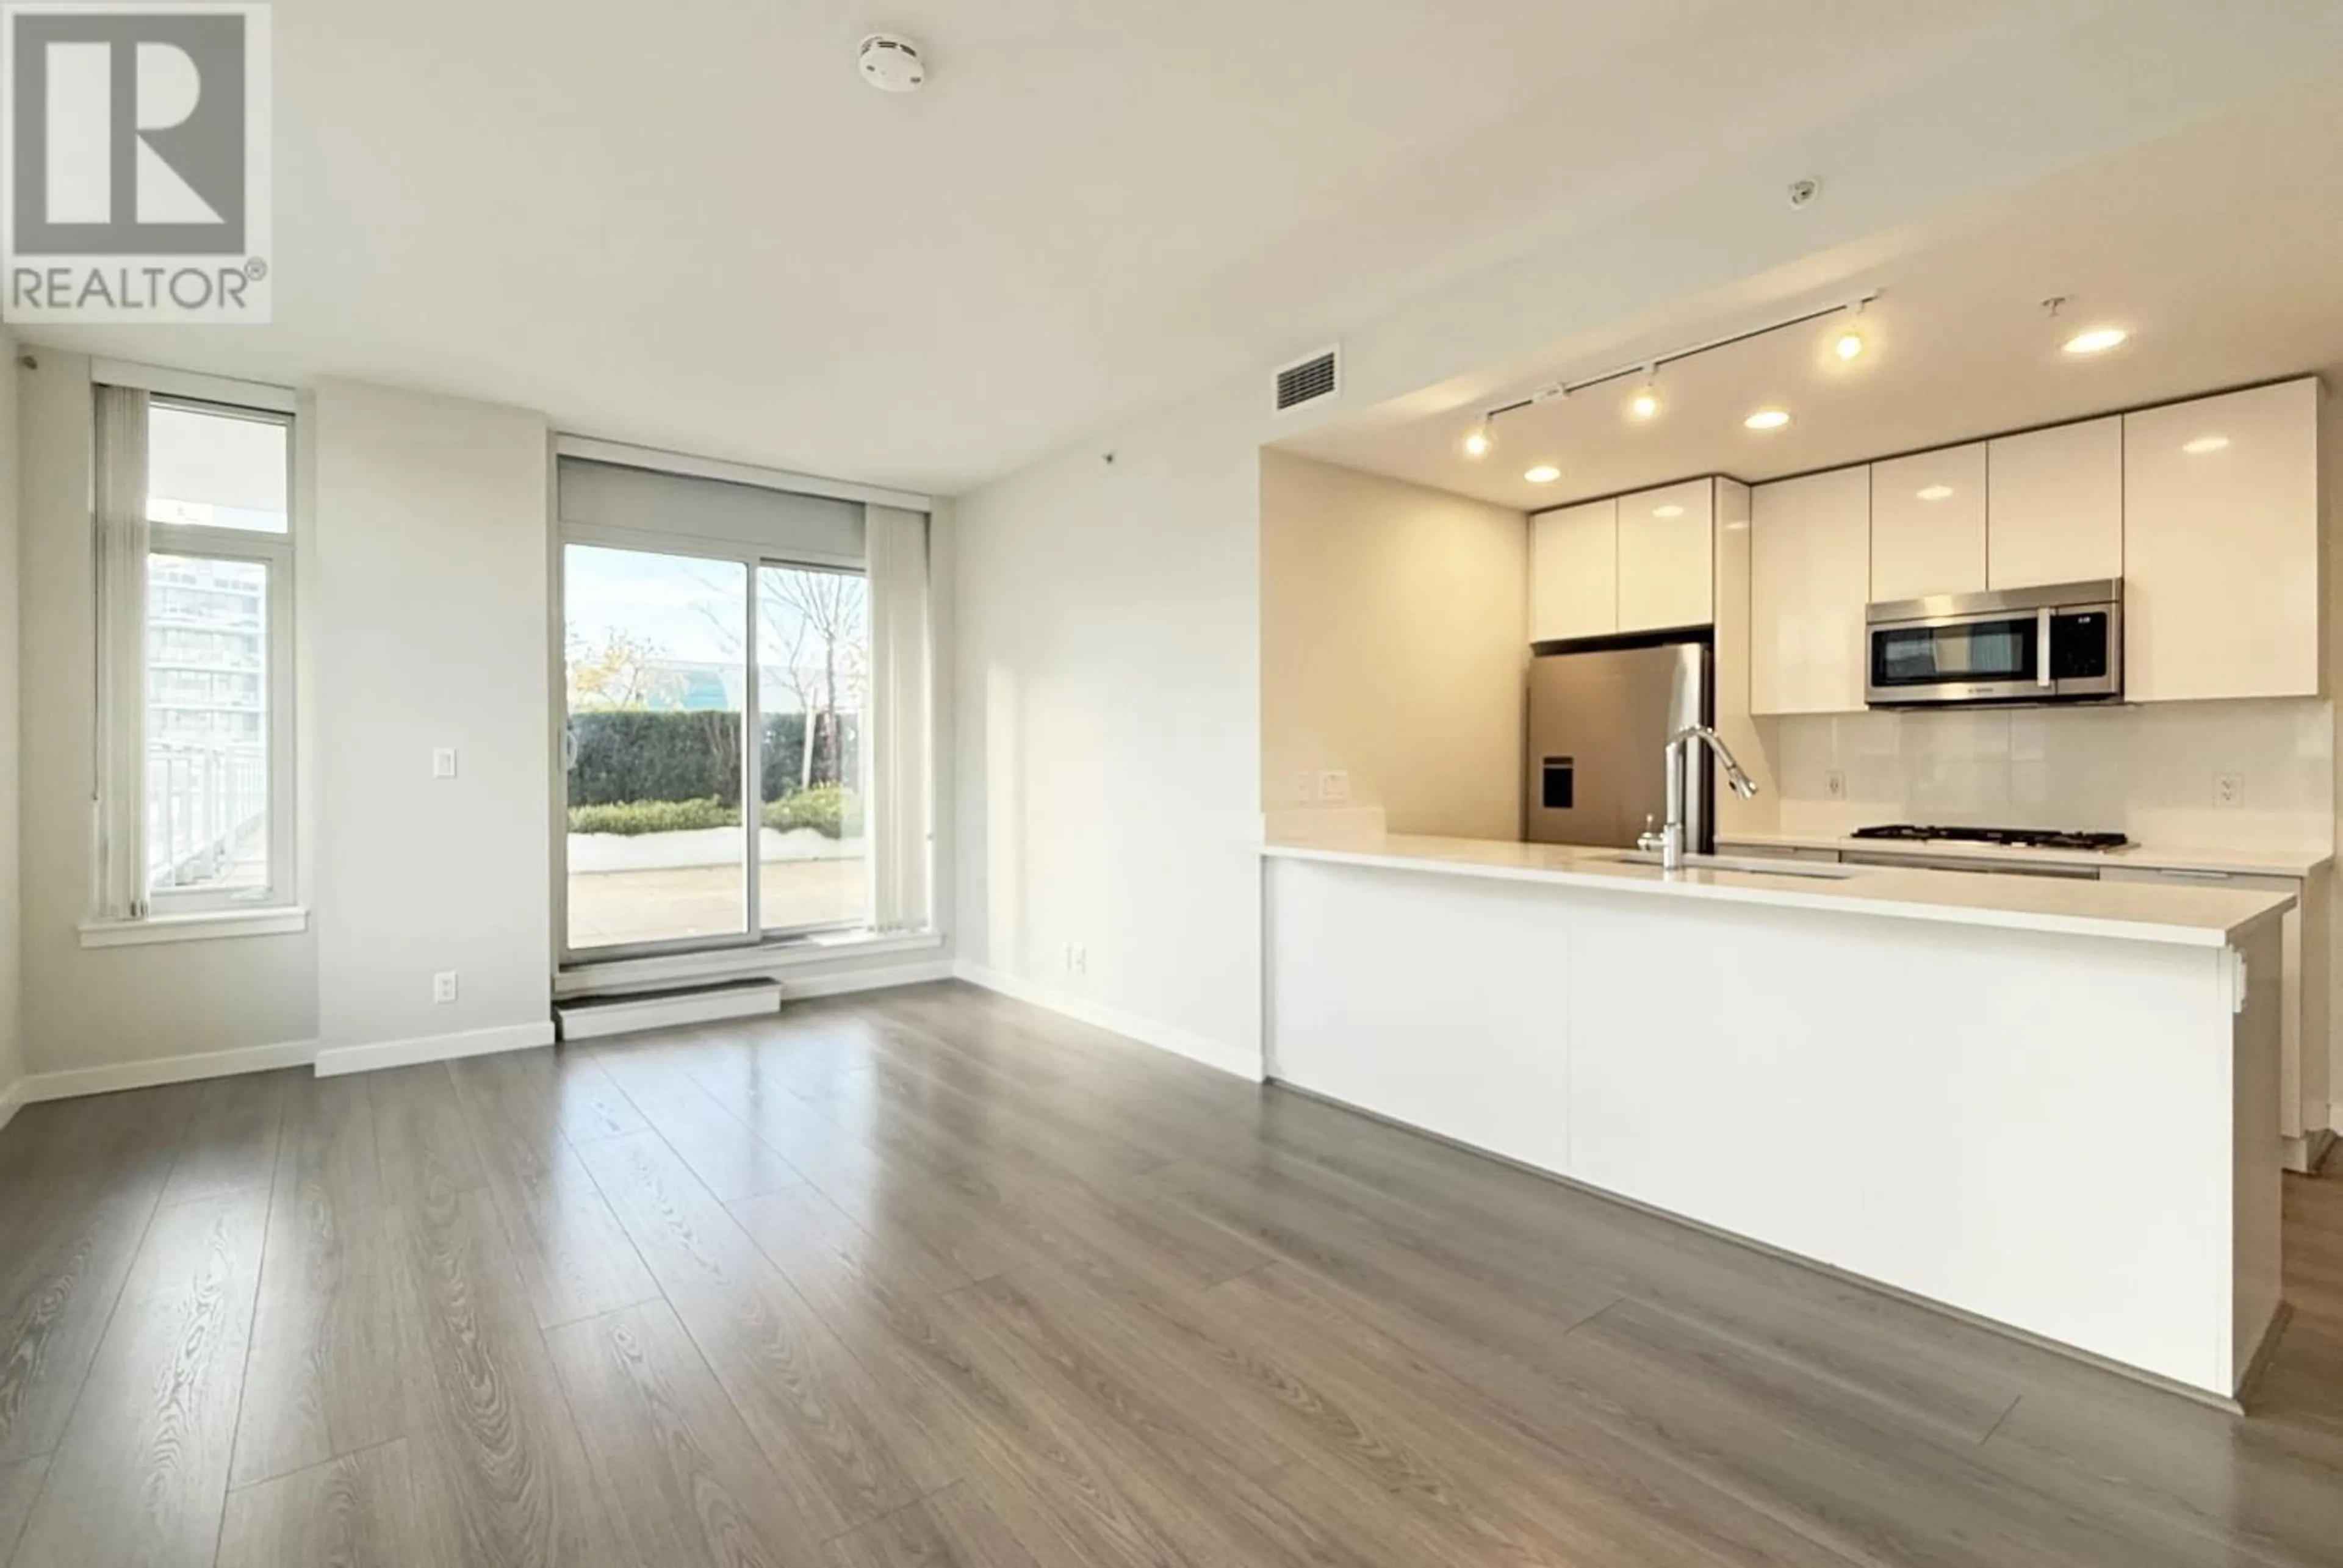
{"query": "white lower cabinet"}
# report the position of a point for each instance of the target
(2302, 1076)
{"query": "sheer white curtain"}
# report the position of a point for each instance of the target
(901, 804)
(118, 795)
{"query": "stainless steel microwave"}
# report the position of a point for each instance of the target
(2063, 643)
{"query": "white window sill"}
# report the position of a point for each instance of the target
(208, 925)
(593, 977)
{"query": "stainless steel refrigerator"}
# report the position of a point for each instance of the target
(1599, 724)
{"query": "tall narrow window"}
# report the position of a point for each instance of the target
(196, 755)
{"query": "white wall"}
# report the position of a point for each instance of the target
(12, 997)
(430, 580)
(101, 1007)
(1108, 729)
(1393, 633)
(423, 546)
(2145, 770)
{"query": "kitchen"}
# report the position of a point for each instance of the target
(2007, 985)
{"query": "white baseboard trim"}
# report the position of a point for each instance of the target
(115, 1076)
(843, 982)
(632, 1015)
(12, 1100)
(339, 1060)
(1245, 1064)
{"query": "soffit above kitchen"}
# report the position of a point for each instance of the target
(2215, 252)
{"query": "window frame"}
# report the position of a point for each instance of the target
(756, 934)
(274, 551)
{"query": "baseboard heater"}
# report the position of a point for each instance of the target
(598, 1018)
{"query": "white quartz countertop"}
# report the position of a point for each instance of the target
(2189, 915)
(2140, 856)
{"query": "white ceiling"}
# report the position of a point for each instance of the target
(2218, 250)
(691, 224)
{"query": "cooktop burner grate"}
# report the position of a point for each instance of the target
(2005, 838)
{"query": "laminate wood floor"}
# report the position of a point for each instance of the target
(927, 1278)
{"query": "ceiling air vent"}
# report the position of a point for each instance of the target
(1310, 380)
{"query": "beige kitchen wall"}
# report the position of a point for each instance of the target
(1393, 634)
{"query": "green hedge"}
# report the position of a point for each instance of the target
(629, 817)
(830, 809)
(630, 755)
(827, 808)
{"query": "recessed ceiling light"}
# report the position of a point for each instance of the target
(1479, 442)
(1848, 344)
(2098, 341)
(1646, 403)
(1667, 511)
(1936, 493)
(1768, 419)
(2204, 444)
(1544, 474)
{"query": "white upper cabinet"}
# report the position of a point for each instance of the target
(1574, 572)
(1927, 523)
(2055, 508)
(1809, 579)
(1667, 557)
(2221, 580)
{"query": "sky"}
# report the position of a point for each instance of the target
(691, 609)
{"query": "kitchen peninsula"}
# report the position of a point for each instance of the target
(2048, 1104)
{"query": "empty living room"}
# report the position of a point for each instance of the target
(1274, 786)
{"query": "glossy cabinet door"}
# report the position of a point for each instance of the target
(1574, 572)
(1667, 557)
(2054, 506)
(1927, 523)
(2221, 580)
(1809, 581)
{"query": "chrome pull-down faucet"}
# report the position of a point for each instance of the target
(1679, 768)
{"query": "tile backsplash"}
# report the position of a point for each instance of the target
(2149, 771)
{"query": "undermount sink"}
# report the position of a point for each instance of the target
(1752, 865)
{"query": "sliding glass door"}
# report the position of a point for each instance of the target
(686, 762)
(813, 659)
(654, 649)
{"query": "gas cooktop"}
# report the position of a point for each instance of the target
(2005, 838)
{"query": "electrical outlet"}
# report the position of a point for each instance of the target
(1305, 788)
(1078, 959)
(1334, 785)
(2228, 790)
(443, 762)
(443, 987)
(1834, 785)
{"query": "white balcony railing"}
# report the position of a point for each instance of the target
(207, 814)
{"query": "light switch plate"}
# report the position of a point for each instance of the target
(443, 762)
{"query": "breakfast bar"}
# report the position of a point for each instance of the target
(1923, 1079)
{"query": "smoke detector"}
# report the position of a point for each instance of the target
(891, 63)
